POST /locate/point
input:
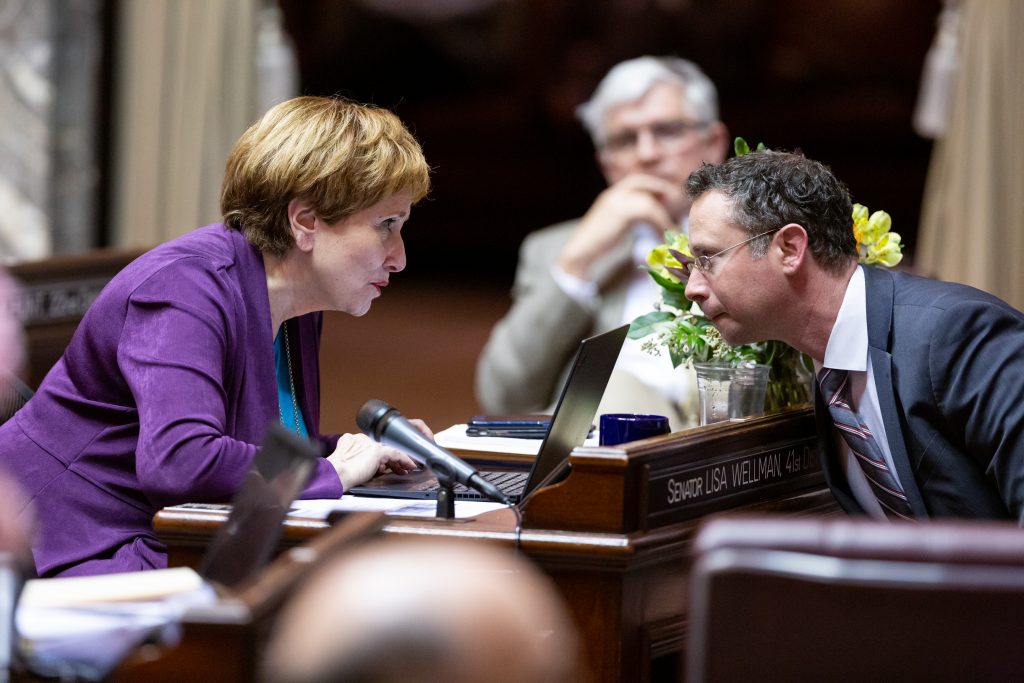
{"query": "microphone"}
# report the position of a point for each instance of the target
(383, 423)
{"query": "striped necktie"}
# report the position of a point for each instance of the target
(835, 389)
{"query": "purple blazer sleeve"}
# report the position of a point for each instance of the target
(180, 357)
(173, 354)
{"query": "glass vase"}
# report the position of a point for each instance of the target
(789, 382)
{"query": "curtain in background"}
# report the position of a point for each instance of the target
(185, 90)
(26, 132)
(972, 221)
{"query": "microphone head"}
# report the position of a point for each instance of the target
(370, 417)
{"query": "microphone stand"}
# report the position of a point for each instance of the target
(445, 496)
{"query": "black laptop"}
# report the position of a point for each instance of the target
(570, 423)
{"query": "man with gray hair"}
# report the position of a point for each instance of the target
(653, 121)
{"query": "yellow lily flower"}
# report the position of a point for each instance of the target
(877, 225)
(860, 223)
(660, 257)
(868, 230)
(886, 251)
(860, 214)
(681, 243)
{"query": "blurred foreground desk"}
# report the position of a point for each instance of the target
(615, 534)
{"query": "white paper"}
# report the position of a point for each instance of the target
(321, 508)
(65, 635)
(455, 438)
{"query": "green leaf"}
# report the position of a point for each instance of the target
(761, 147)
(688, 328)
(666, 283)
(676, 299)
(740, 146)
(646, 324)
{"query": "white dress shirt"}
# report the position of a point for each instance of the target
(847, 349)
(642, 294)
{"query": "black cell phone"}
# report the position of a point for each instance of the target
(515, 426)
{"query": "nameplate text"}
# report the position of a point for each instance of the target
(730, 480)
(51, 302)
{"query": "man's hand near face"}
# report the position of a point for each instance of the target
(638, 198)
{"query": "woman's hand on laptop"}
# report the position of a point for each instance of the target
(358, 458)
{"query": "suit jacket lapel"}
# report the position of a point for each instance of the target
(252, 277)
(880, 292)
(612, 273)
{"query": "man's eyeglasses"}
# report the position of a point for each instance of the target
(666, 134)
(703, 262)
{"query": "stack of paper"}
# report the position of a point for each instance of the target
(81, 627)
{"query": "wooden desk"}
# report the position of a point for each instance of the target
(615, 535)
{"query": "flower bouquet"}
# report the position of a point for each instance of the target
(678, 325)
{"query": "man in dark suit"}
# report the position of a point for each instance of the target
(920, 383)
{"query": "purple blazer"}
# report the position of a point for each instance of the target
(161, 398)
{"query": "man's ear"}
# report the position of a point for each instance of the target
(302, 223)
(604, 165)
(793, 247)
(718, 143)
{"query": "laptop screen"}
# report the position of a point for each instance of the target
(571, 420)
(577, 404)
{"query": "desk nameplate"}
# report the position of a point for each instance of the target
(685, 491)
(52, 302)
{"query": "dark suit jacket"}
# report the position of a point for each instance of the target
(949, 369)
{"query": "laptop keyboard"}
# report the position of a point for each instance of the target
(509, 483)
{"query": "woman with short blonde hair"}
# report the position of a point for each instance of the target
(193, 350)
(341, 156)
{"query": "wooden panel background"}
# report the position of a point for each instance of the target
(415, 349)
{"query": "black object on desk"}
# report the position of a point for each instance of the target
(244, 543)
(510, 426)
(571, 421)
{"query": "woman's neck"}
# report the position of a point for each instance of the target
(284, 288)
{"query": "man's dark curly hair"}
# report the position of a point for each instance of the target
(770, 189)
